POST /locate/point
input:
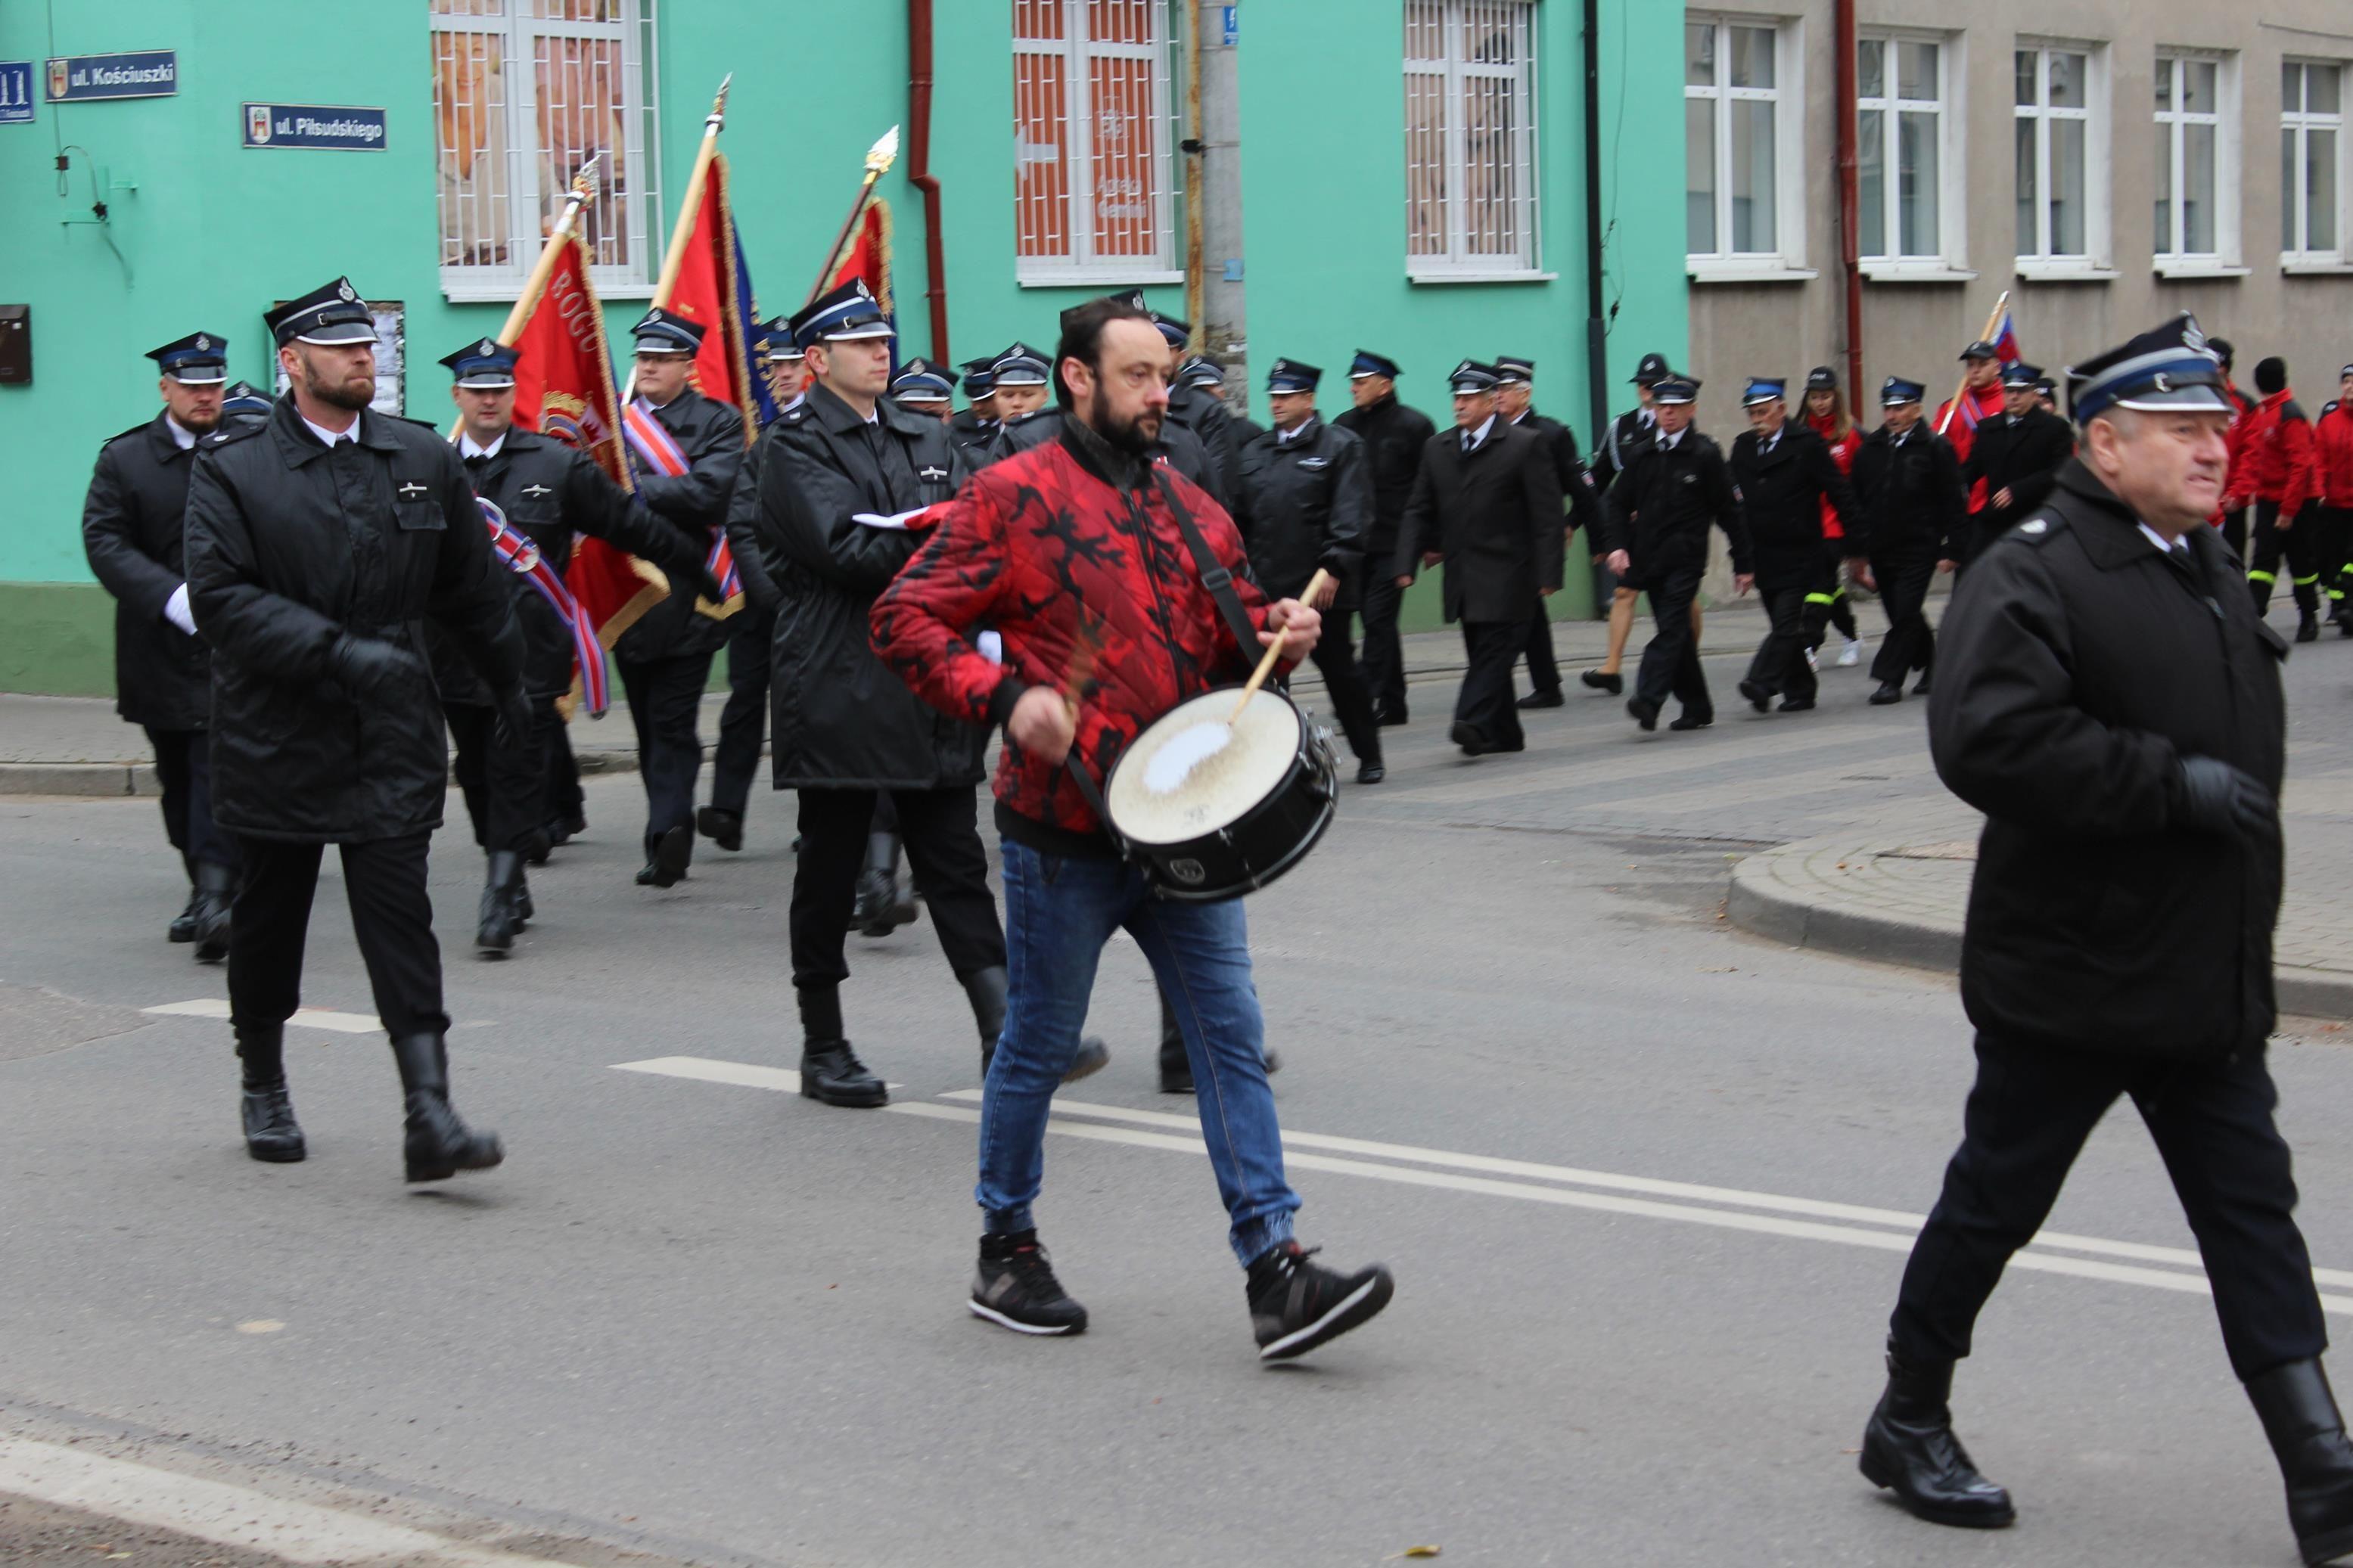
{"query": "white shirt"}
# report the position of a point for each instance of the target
(466, 448)
(332, 437)
(182, 437)
(2159, 541)
(1285, 438)
(1669, 443)
(1478, 438)
(1765, 444)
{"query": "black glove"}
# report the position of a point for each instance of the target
(512, 727)
(2219, 798)
(371, 667)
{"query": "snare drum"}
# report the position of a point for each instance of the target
(1240, 817)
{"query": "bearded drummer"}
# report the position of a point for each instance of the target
(1103, 632)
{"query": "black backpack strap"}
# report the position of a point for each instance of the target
(1213, 577)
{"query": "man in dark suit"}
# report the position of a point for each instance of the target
(1515, 400)
(2017, 453)
(1783, 473)
(1487, 502)
(130, 531)
(1394, 438)
(1914, 514)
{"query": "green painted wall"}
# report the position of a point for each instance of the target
(210, 233)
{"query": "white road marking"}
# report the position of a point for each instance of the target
(303, 1018)
(227, 1515)
(710, 1069)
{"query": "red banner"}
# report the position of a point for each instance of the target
(869, 257)
(706, 293)
(564, 388)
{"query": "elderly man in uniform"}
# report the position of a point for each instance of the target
(1515, 400)
(1394, 438)
(1787, 480)
(684, 467)
(1486, 501)
(548, 493)
(132, 532)
(2113, 704)
(318, 540)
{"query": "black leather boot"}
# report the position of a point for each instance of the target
(2300, 1417)
(184, 924)
(271, 1133)
(1909, 1447)
(987, 988)
(216, 891)
(439, 1146)
(831, 1073)
(494, 935)
(881, 910)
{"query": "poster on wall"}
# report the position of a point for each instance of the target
(391, 345)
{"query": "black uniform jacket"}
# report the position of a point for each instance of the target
(711, 433)
(1912, 500)
(972, 436)
(1662, 506)
(1394, 436)
(554, 493)
(2076, 668)
(1630, 434)
(753, 562)
(1495, 514)
(1781, 495)
(1306, 503)
(1203, 415)
(291, 545)
(842, 719)
(1576, 483)
(2022, 455)
(130, 532)
(1178, 446)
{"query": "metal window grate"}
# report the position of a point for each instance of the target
(1099, 202)
(1469, 135)
(524, 92)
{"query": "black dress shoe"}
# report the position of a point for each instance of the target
(184, 924)
(1612, 684)
(2307, 1436)
(1466, 735)
(724, 828)
(1386, 717)
(1888, 691)
(1551, 699)
(1908, 1446)
(215, 893)
(672, 851)
(1797, 704)
(1759, 697)
(832, 1075)
(563, 830)
(1689, 721)
(1370, 772)
(536, 846)
(1920, 687)
(1646, 714)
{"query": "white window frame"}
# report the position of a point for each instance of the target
(1083, 265)
(1461, 264)
(1786, 262)
(2092, 262)
(2224, 260)
(2300, 259)
(1949, 262)
(646, 223)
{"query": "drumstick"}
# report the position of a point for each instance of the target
(1274, 649)
(1084, 647)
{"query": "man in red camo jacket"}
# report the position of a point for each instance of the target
(1077, 543)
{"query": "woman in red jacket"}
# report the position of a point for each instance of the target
(1826, 413)
(2332, 461)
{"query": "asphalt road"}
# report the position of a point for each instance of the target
(1644, 1180)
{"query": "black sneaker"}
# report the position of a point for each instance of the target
(1296, 1305)
(1015, 1287)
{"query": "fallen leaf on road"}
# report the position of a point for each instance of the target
(1415, 1552)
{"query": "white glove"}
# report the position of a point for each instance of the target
(175, 610)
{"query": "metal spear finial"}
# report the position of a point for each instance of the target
(884, 154)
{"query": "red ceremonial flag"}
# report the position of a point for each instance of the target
(707, 293)
(564, 388)
(869, 258)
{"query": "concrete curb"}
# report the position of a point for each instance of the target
(1764, 900)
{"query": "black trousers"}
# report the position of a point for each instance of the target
(1781, 664)
(2028, 1114)
(2234, 532)
(1671, 659)
(1352, 701)
(1544, 670)
(1827, 605)
(1383, 657)
(665, 701)
(561, 769)
(751, 639)
(1486, 702)
(2336, 552)
(384, 878)
(941, 830)
(2300, 546)
(505, 786)
(183, 766)
(1909, 645)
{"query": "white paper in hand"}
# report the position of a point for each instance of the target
(177, 611)
(896, 520)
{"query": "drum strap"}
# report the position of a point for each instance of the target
(1213, 577)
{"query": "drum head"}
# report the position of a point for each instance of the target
(1223, 785)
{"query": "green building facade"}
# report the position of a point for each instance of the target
(1406, 175)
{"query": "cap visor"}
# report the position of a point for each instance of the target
(2198, 399)
(198, 375)
(485, 383)
(854, 333)
(335, 336)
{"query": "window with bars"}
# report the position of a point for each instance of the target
(1903, 152)
(2312, 146)
(524, 92)
(1471, 138)
(2062, 171)
(1743, 164)
(2193, 176)
(1093, 192)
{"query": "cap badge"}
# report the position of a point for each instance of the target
(345, 288)
(203, 341)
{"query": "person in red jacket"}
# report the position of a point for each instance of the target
(2233, 524)
(2331, 453)
(1981, 398)
(2270, 464)
(1829, 605)
(1083, 556)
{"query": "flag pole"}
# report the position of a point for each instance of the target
(583, 190)
(878, 158)
(1953, 409)
(674, 260)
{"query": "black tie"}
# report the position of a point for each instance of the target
(474, 463)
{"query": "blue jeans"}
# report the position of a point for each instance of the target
(1059, 913)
